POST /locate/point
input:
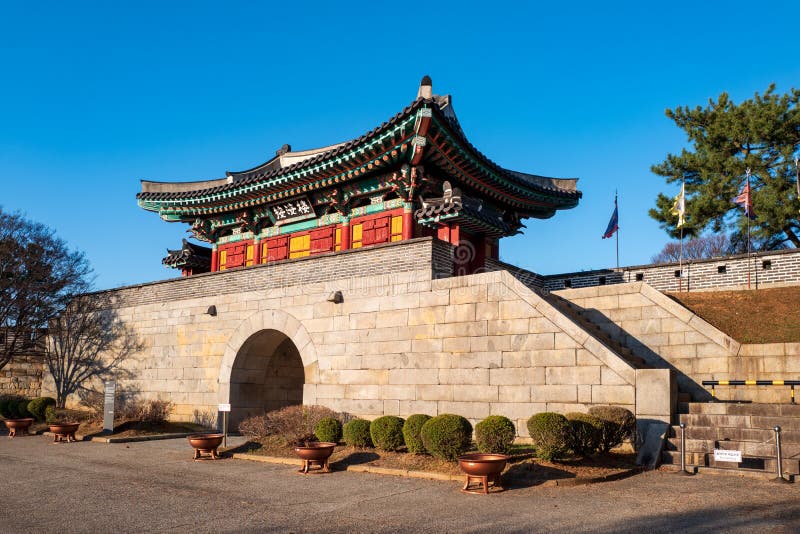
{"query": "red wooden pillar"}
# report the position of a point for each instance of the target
(455, 235)
(443, 232)
(214, 258)
(345, 241)
(256, 251)
(408, 229)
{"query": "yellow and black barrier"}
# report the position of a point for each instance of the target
(715, 383)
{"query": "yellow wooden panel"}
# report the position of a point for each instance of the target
(397, 225)
(300, 246)
(249, 255)
(264, 252)
(357, 235)
(337, 245)
(223, 259)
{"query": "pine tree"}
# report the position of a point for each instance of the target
(763, 134)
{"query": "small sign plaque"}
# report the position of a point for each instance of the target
(224, 407)
(722, 455)
(109, 391)
(294, 210)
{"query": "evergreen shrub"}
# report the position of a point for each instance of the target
(37, 406)
(329, 429)
(22, 408)
(550, 434)
(585, 433)
(447, 436)
(619, 424)
(411, 433)
(387, 432)
(356, 433)
(495, 434)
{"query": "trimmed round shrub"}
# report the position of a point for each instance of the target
(387, 432)
(619, 424)
(585, 431)
(550, 434)
(329, 429)
(37, 406)
(22, 408)
(495, 434)
(411, 433)
(52, 415)
(447, 436)
(5, 408)
(356, 433)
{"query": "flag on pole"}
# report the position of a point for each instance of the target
(679, 208)
(613, 224)
(745, 200)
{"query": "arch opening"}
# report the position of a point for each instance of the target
(267, 375)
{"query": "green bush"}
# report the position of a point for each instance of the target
(5, 407)
(329, 429)
(37, 406)
(387, 432)
(22, 408)
(619, 424)
(549, 432)
(356, 433)
(495, 434)
(52, 415)
(585, 433)
(411, 433)
(447, 436)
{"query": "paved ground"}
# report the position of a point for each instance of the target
(154, 486)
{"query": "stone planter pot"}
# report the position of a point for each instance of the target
(206, 445)
(315, 453)
(64, 432)
(18, 427)
(483, 469)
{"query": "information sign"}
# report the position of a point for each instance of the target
(109, 392)
(723, 455)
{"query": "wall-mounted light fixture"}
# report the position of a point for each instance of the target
(336, 297)
(212, 311)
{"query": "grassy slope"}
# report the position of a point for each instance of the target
(758, 316)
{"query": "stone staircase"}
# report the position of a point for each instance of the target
(586, 320)
(747, 427)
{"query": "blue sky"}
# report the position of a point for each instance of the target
(96, 96)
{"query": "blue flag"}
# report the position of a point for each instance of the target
(613, 224)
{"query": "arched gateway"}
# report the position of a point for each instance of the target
(267, 361)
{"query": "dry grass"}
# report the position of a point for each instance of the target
(755, 316)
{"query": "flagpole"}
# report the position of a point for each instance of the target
(747, 213)
(616, 205)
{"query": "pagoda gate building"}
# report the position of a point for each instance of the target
(415, 175)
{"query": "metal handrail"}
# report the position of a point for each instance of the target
(715, 383)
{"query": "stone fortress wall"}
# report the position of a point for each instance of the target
(767, 269)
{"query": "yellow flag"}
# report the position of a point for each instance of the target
(679, 207)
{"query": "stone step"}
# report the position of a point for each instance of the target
(733, 433)
(748, 473)
(742, 408)
(791, 466)
(674, 458)
(788, 424)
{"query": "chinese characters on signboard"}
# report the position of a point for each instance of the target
(293, 210)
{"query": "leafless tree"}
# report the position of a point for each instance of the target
(39, 274)
(709, 246)
(87, 340)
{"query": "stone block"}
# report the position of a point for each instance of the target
(464, 376)
(362, 320)
(456, 344)
(460, 313)
(563, 341)
(354, 376)
(439, 297)
(464, 393)
(391, 407)
(610, 378)
(554, 358)
(711, 365)
(434, 392)
(413, 376)
(515, 309)
(361, 391)
(468, 294)
(476, 360)
(548, 393)
(572, 375)
(470, 410)
(426, 316)
(584, 357)
(330, 391)
(513, 394)
(487, 311)
(403, 392)
(407, 408)
(510, 326)
(470, 329)
(613, 394)
(426, 345)
(585, 394)
(516, 376)
(390, 318)
(519, 412)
